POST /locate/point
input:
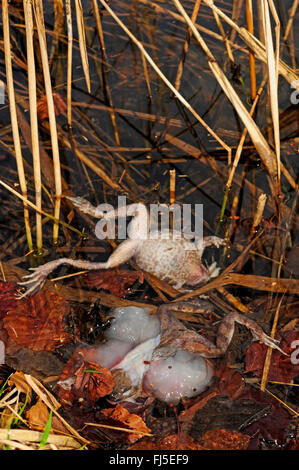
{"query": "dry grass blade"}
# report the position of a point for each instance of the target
(33, 120)
(118, 428)
(30, 204)
(23, 435)
(224, 36)
(262, 283)
(186, 46)
(237, 157)
(38, 10)
(52, 403)
(272, 64)
(69, 61)
(269, 350)
(13, 117)
(259, 141)
(82, 42)
(165, 80)
(291, 18)
(255, 45)
(249, 16)
(259, 212)
(91, 165)
(105, 64)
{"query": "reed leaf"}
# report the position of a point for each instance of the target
(272, 65)
(266, 154)
(33, 120)
(82, 42)
(164, 78)
(14, 119)
(69, 61)
(38, 10)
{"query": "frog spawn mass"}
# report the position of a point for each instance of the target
(133, 338)
(158, 355)
(163, 254)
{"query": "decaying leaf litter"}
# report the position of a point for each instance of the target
(107, 100)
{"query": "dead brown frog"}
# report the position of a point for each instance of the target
(170, 258)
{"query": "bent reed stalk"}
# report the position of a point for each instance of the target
(14, 119)
(33, 120)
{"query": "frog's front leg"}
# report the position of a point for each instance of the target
(120, 255)
(226, 331)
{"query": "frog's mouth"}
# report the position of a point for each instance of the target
(201, 276)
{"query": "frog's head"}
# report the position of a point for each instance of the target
(199, 274)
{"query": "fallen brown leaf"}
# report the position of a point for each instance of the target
(18, 379)
(82, 379)
(38, 416)
(8, 299)
(116, 281)
(37, 322)
(171, 442)
(220, 439)
(120, 416)
(42, 107)
(282, 369)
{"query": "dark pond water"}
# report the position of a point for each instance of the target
(140, 149)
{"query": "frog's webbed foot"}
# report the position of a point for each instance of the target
(226, 331)
(271, 342)
(213, 270)
(36, 279)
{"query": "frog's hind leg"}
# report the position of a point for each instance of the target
(122, 254)
(226, 331)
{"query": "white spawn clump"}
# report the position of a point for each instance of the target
(182, 375)
(132, 337)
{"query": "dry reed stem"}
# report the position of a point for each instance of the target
(255, 45)
(82, 42)
(237, 158)
(261, 283)
(58, 30)
(269, 350)
(257, 137)
(33, 120)
(27, 435)
(282, 402)
(91, 164)
(249, 16)
(259, 212)
(52, 403)
(163, 77)
(98, 22)
(242, 139)
(30, 204)
(38, 10)
(233, 300)
(272, 64)
(172, 174)
(290, 20)
(69, 61)
(14, 119)
(118, 428)
(177, 82)
(225, 39)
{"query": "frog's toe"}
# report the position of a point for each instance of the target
(214, 270)
(272, 343)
